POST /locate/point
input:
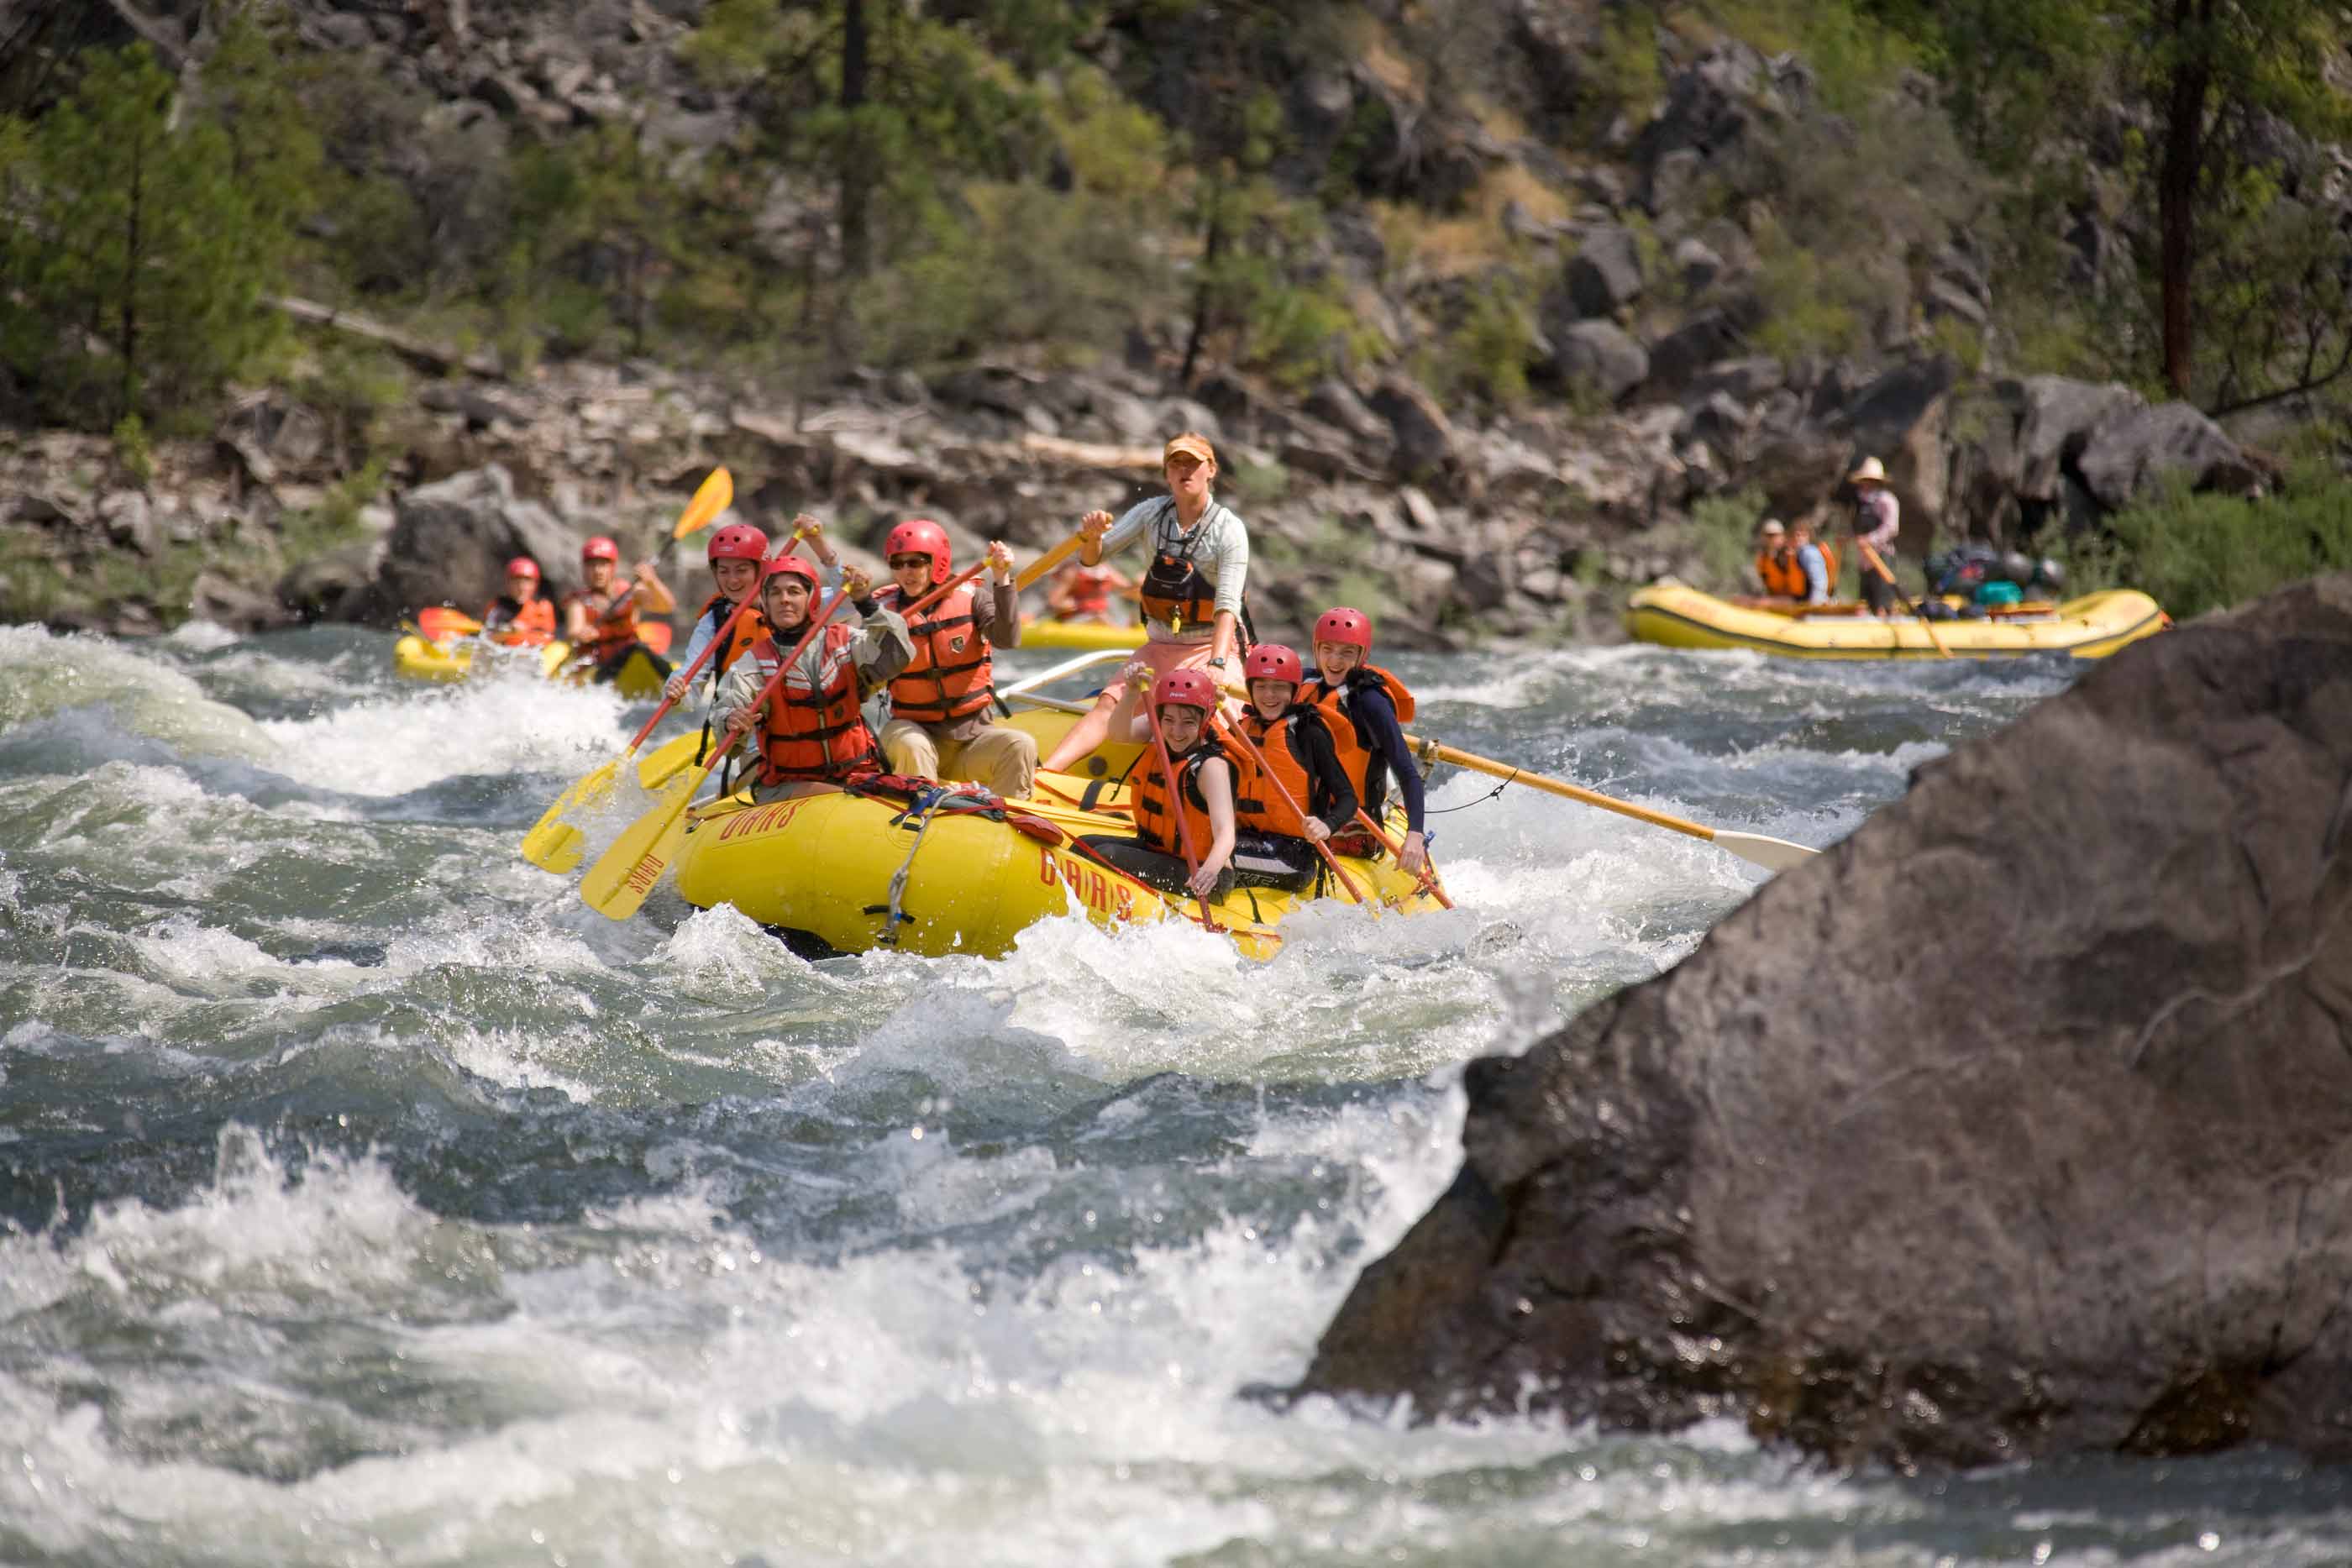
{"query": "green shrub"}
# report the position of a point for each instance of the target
(2194, 553)
(1727, 538)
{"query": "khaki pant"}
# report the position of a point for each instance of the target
(1001, 756)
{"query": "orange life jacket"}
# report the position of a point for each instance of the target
(612, 621)
(1257, 804)
(1175, 591)
(520, 626)
(815, 731)
(950, 677)
(1089, 591)
(748, 631)
(1351, 741)
(1155, 824)
(1784, 574)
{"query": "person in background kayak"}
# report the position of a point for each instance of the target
(1877, 520)
(1817, 563)
(812, 737)
(1366, 708)
(942, 720)
(1203, 795)
(1776, 563)
(521, 617)
(1191, 593)
(601, 621)
(1082, 594)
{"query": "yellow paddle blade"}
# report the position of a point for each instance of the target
(654, 768)
(616, 885)
(717, 494)
(550, 832)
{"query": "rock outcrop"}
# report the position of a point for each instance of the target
(2019, 1124)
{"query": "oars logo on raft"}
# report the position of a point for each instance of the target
(761, 820)
(1105, 895)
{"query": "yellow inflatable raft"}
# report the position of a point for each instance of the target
(823, 868)
(1079, 635)
(415, 658)
(1675, 616)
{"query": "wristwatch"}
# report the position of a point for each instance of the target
(1217, 663)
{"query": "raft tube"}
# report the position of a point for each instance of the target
(1675, 616)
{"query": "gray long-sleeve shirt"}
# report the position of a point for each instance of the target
(1219, 546)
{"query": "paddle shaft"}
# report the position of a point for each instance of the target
(1431, 751)
(1879, 566)
(1267, 772)
(1428, 878)
(1048, 561)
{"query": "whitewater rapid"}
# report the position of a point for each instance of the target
(368, 1199)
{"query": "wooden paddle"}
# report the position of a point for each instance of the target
(438, 623)
(1233, 732)
(1428, 883)
(1879, 566)
(1772, 854)
(616, 885)
(1044, 563)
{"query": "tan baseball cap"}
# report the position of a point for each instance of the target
(1193, 443)
(1773, 525)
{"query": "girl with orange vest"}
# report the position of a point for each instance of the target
(941, 722)
(812, 735)
(521, 617)
(1295, 746)
(1202, 797)
(601, 621)
(1366, 709)
(737, 554)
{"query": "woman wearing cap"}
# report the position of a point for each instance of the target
(1191, 593)
(600, 621)
(812, 735)
(1365, 708)
(521, 617)
(1877, 518)
(942, 724)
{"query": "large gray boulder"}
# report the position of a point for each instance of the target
(2056, 417)
(2127, 459)
(1601, 356)
(2019, 1124)
(1421, 449)
(450, 542)
(1605, 275)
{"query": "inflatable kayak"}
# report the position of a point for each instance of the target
(820, 871)
(1675, 616)
(1078, 634)
(640, 677)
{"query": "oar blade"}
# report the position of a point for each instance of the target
(545, 844)
(715, 495)
(656, 767)
(616, 885)
(1772, 854)
(439, 622)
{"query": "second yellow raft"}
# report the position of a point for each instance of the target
(1675, 616)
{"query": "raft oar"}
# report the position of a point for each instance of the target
(616, 885)
(1029, 574)
(715, 494)
(1772, 854)
(438, 623)
(1428, 883)
(1234, 731)
(1879, 566)
(553, 843)
(1176, 810)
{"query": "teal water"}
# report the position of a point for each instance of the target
(368, 1199)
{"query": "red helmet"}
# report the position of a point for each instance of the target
(738, 541)
(791, 566)
(921, 536)
(600, 549)
(523, 566)
(1184, 688)
(1345, 625)
(1272, 662)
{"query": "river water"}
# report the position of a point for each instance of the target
(369, 1200)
